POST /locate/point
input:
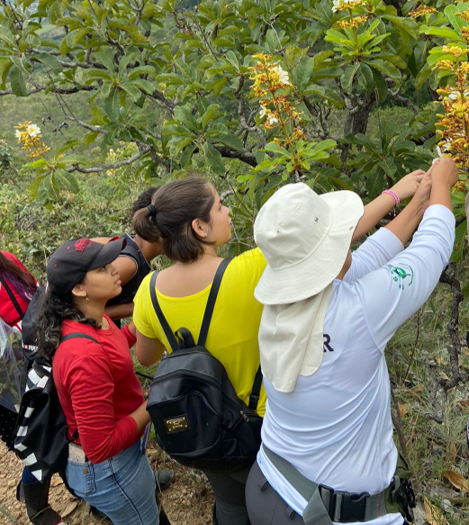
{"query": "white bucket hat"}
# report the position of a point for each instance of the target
(305, 238)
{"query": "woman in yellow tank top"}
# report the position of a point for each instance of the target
(192, 222)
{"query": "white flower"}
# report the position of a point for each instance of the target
(282, 75)
(33, 130)
(263, 112)
(272, 120)
(444, 148)
(18, 134)
(336, 5)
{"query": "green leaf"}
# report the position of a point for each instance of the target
(78, 36)
(7, 36)
(231, 141)
(325, 93)
(365, 77)
(440, 31)
(185, 117)
(232, 59)
(346, 80)
(68, 181)
(34, 186)
(381, 85)
(171, 78)
(451, 11)
(18, 62)
(216, 86)
(49, 60)
(94, 74)
(187, 155)
(374, 184)
(111, 105)
(177, 144)
(132, 90)
(211, 113)
(324, 145)
(141, 70)
(145, 85)
(74, 159)
(39, 163)
(423, 76)
(69, 144)
(303, 73)
(215, 160)
(17, 82)
(5, 65)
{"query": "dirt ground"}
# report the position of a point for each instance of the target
(188, 501)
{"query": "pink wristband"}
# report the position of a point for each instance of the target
(396, 198)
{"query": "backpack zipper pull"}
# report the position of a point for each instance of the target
(244, 415)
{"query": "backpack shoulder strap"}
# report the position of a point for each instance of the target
(159, 313)
(256, 389)
(79, 335)
(12, 297)
(211, 301)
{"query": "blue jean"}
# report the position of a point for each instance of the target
(122, 487)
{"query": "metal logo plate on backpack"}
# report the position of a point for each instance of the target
(177, 424)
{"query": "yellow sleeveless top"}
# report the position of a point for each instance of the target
(232, 336)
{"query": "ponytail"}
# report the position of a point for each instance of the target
(176, 205)
(145, 226)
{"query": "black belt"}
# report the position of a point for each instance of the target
(326, 504)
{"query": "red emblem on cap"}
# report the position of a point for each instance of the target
(81, 244)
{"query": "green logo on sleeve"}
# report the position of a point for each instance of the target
(402, 274)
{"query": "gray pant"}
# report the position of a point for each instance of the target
(265, 506)
(230, 502)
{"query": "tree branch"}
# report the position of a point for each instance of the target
(246, 156)
(89, 127)
(105, 167)
(60, 91)
(449, 277)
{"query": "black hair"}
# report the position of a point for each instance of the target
(177, 204)
(54, 311)
(143, 200)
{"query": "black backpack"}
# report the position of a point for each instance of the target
(41, 440)
(198, 418)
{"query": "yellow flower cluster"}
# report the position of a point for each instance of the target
(354, 23)
(271, 84)
(465, 34)
(268, 76)
(454, 50)
(453, 125)
(464, 15)
(421, 10)
(29, 135)
(342, 5)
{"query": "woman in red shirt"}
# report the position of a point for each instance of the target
(96, 383)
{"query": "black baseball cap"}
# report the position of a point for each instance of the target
(69, 264)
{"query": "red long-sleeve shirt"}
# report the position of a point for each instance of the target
(8, 312)
(98, 388)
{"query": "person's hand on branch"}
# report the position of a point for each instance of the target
(408, 185)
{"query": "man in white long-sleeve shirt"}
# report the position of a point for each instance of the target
(334, 425)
